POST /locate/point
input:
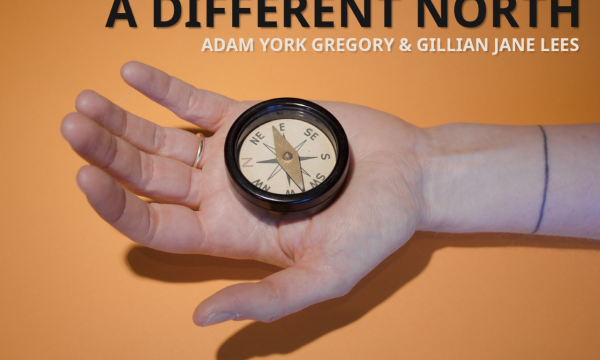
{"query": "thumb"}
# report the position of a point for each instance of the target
(277, 295)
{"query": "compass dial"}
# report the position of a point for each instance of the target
(260, 163)
(286, 158)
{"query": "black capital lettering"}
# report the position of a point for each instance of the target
(115, 15)
(263, 9)
(236, 11)
(440, 20)
(573, 9)
(319, 10)
(193, 23)
(482, 10)
(211, 10)
(288, 11)
(364, 21)
(507, 12)
(533, 13)
(387, 13)
(158, 14)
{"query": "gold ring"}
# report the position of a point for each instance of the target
(200, 151)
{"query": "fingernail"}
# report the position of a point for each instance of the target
(219, 318)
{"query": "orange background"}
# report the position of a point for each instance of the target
(72, 287)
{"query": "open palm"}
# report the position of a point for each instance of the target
(196, 211)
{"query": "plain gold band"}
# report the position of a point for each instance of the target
(196, 163)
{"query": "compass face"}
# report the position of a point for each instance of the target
(286, 158)
(259, 163)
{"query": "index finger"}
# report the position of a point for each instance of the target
(200, 107)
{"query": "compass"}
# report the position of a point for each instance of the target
(286, 158)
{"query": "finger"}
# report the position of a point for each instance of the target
(201, 107)
(153, 139)
(157, 177)
(170, 228)
(280, 294)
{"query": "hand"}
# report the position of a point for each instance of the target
(196, 211)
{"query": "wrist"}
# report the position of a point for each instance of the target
(481, 178)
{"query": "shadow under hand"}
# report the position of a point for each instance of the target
(163, 266)
(294, 331)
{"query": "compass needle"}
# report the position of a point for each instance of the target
(288, 158)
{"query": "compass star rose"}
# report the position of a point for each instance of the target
(278, 168)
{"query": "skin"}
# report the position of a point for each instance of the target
(393, 189)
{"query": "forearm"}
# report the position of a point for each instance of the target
(492, 178)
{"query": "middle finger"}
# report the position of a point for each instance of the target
(156, 177)
(143, 134)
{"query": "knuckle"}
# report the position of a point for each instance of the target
(159, 139)
(147, 170)
(110, 154)
(191, 103)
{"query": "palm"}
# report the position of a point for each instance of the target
(325, 255)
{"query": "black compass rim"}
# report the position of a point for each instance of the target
(268, 111)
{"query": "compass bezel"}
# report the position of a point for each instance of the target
(282, 205)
